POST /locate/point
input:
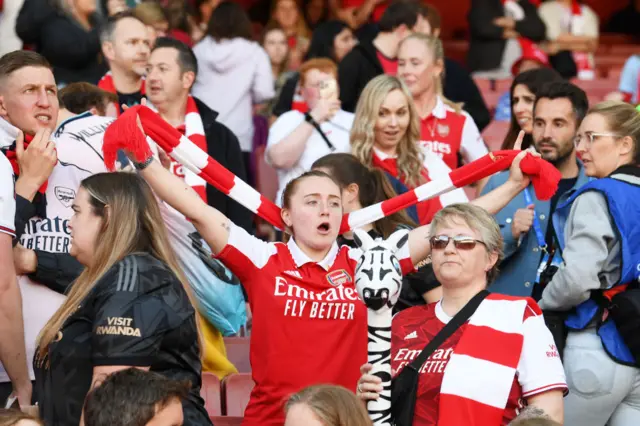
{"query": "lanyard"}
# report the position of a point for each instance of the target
(536, 223)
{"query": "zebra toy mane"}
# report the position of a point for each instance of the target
(378, 280)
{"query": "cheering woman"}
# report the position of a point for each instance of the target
(130, 307)
(309, 324)
(385, 135)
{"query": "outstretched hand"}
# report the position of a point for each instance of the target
(515, 174)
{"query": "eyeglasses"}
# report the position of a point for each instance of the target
(590, 138)
(460, 242)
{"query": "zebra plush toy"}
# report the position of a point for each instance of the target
(378, 279)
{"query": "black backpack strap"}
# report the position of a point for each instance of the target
(460, 318)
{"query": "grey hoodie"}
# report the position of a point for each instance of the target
(233, 74)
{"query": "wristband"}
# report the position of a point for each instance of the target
(144, 164)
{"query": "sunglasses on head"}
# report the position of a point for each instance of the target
(461, 242)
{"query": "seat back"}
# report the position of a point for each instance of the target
(237, 391)
(212, 394)
(238, 353)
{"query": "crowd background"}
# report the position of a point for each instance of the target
(262, 112)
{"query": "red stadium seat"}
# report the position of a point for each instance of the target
(226, 420)
(494, 134)
(211, 393)
(238, 353)
(236, 393)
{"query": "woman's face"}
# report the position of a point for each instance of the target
(275, 43)
(392, 121)
(417, 68)
(314, 213)
(343, 43)
(84, 7)
(84, 226)
(301, 415)
(522, 107)
(606, 153)
(457, 267)
(286, 14)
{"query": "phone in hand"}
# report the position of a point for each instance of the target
(329, 89)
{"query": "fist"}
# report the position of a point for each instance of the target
(522, 221)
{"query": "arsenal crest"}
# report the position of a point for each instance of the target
(338, 278)
(443, 130)
(65, 195)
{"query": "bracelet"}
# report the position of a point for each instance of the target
(144, 164)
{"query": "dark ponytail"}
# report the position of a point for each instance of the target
(373, 187)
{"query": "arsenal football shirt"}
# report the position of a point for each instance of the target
(309, 325)
(448, 133)
(539, 370)
(7, 197)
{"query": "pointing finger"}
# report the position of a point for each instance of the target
(518, 143)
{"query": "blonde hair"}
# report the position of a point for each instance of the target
(622, 119)
(435, 47)
(333, 405)
(477, 219)
(410, 158)
(150, 13)
(132, 223)
(11, 417)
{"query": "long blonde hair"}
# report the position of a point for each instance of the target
(132, 224)
(410, 158)
(435, 47)
(333, 405)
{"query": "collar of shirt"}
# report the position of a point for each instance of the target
(441, 314)
(8, 133)
(440, 110)
(300, 258)
(382, 156)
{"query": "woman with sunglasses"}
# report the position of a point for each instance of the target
(492, 365)
(599, 246)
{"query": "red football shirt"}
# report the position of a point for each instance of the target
(309, 325)
(389, 66)
(538, 371)
(447, 133)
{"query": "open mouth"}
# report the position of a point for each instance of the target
(324, 228)
(43, 118)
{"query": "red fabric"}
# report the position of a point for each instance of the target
(125, 134)
(423, 321)
(181, 36)
(298, 340)
(443, 136)
(426, 209)
(199, 139)
(378, 10)
(292, 41)
(389, 66)
(530, 51)
(13, 159)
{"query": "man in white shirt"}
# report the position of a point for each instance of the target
(297, 140)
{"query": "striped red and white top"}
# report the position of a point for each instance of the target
(538, 370)
(309, 325)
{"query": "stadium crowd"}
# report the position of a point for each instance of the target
(134, 291)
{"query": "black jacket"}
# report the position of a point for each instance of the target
(74, 52)
(487, 45)
(223, 146)
(361, 65)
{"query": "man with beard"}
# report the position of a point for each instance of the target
(526, 221)
(171, 73)
(126, 46)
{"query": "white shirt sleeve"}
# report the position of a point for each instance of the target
(282, 127)
(262, 88)
(540, 369)
(7, 198)
(472, 146)
(591, 22)
(550, 14)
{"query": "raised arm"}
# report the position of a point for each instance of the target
(212, 225)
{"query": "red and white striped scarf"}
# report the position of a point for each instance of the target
(583, 60)
(125, 134)
(488, 352)
(193, 128)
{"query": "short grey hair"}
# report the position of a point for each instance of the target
(477, 219)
